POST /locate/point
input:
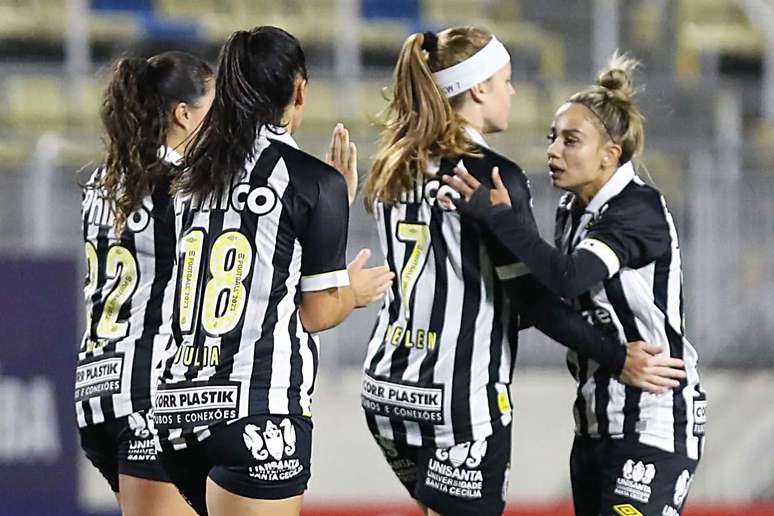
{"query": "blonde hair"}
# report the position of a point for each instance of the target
(611, 101)
(419, 121)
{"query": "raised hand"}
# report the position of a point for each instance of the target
(646, 370)
(467, 186)
(368, 285)
(342, 155)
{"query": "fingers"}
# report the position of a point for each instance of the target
(469, 180)
(352, 164)
(497, 181)
(652, 349)
(670, 362)
(337, 145)
(360, 260)
(668, 372)
(459, 185)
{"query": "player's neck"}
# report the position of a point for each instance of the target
(473, 117)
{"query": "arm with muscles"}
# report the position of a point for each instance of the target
(634, 364)
(329, 293)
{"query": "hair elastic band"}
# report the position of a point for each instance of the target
(477, 68)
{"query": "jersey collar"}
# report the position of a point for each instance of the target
(613, 187)
(169, 155)
(476, 136)
(278, 133)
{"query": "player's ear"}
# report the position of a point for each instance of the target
(299, 95)
(477, 92)
(181, 116)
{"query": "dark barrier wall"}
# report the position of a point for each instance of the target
(39, 307)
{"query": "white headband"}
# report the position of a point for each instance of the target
(477, 68)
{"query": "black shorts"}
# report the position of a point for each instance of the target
(261, 457)
(470, 478)
(623, 477)
(124, 446)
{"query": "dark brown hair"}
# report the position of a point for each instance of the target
(257, 73)
(136, 112)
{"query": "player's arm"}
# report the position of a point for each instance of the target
(635, 364)
(626, 237)
(329, 290)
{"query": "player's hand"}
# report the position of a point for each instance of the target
(646, 370)
(342, 155)
(368, 285)
(467, 186)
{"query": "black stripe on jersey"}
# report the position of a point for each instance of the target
(437, 313)
(495, 349)
(471, 297)
(296, 366)
(615, 294)
(97, 305)
(394, 304)
(163, 250)
(248, 224)
(264, 348)
(400, 355)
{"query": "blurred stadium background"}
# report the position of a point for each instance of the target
(709, 99)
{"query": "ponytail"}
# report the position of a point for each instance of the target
(135, 111)
(420, 122)
(133, 117)
(257, 72)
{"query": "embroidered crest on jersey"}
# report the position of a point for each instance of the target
(626, 509)
(635, 481)
(682, 485)
(273, 446)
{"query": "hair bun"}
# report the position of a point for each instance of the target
(429, 42)
(617, 77)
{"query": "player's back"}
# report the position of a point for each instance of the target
(127, 294)
(439, 362)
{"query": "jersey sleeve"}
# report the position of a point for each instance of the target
(508, 265)
(629, 234)
(324, 239)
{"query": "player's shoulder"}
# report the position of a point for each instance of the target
(485, 159)
(637, 196)
(304, 168)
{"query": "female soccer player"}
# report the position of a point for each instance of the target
(150, 110)
(439, 364)
(618, 260)
(262, 233)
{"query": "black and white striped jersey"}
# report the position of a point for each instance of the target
(439, 363)
(244, 256)
(128, 293)
(628, 226)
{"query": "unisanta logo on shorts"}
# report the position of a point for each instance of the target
(682, 486)
(635, 480)
(271, 441)
(470, 453)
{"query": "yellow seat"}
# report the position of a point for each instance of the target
(35, 101)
